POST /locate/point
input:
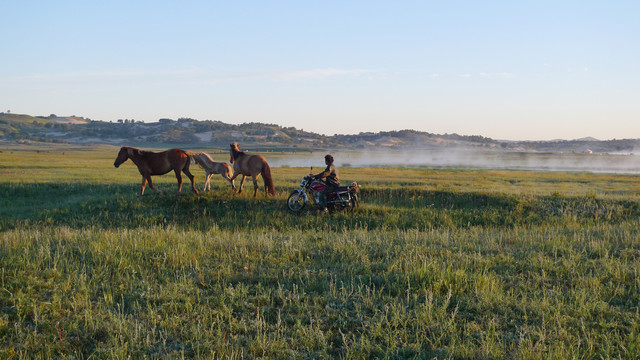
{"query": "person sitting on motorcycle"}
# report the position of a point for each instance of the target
(332, 181)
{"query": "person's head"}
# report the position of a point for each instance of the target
(328, 159)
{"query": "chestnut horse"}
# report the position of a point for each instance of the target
(211, 168)
(150, 163)
(251, 165)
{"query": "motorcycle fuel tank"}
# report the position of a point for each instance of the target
(318, 186)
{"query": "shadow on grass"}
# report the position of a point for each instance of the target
(117, 206)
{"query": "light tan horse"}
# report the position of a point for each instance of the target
(150, 163)
(211, 168)
(251, 165)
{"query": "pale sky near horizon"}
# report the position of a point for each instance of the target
(519, 70)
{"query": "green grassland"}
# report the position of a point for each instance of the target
(440, 264)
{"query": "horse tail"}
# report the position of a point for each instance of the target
(228, 170)
(268, 181)
(191, 156)
(189, 153)
(194, 158)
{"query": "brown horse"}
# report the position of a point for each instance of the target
(150, 163)
(211, 168)
(251, 165)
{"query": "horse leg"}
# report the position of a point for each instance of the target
(210, 175)
(144, 184)
(192, 178)
(207, 184)
(224, 176)
(255, 185)
(151, 185)
(242, 183)
(179, 178)
(233, 186)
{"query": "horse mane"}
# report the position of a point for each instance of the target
(235, 149)
(207, 156)
(138, 152)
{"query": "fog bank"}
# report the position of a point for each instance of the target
(470, 159)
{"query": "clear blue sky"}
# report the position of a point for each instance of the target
(502, 69)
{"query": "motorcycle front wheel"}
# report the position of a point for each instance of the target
(353, 204)
(296, 201)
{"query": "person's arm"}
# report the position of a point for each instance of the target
(325, 173)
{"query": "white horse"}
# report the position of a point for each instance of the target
(211, 167)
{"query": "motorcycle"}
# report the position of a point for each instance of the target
(343, 198)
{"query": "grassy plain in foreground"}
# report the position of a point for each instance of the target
(435, 263)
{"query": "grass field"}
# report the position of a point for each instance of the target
(459, 264)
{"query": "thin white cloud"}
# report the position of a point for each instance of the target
(317, 73)
(499, 75)
(292, 75)
(98, 75)
(465, 75)
(188, 74)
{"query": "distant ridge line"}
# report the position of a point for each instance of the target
(187, 132)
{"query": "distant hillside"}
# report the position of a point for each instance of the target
(21, 119)
(24, 128)
(191, 133)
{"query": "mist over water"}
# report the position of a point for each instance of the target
(470, 159)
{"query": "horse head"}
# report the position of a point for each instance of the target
(123, 155)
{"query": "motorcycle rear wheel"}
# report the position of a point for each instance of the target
(344, 206)
(296, 201)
